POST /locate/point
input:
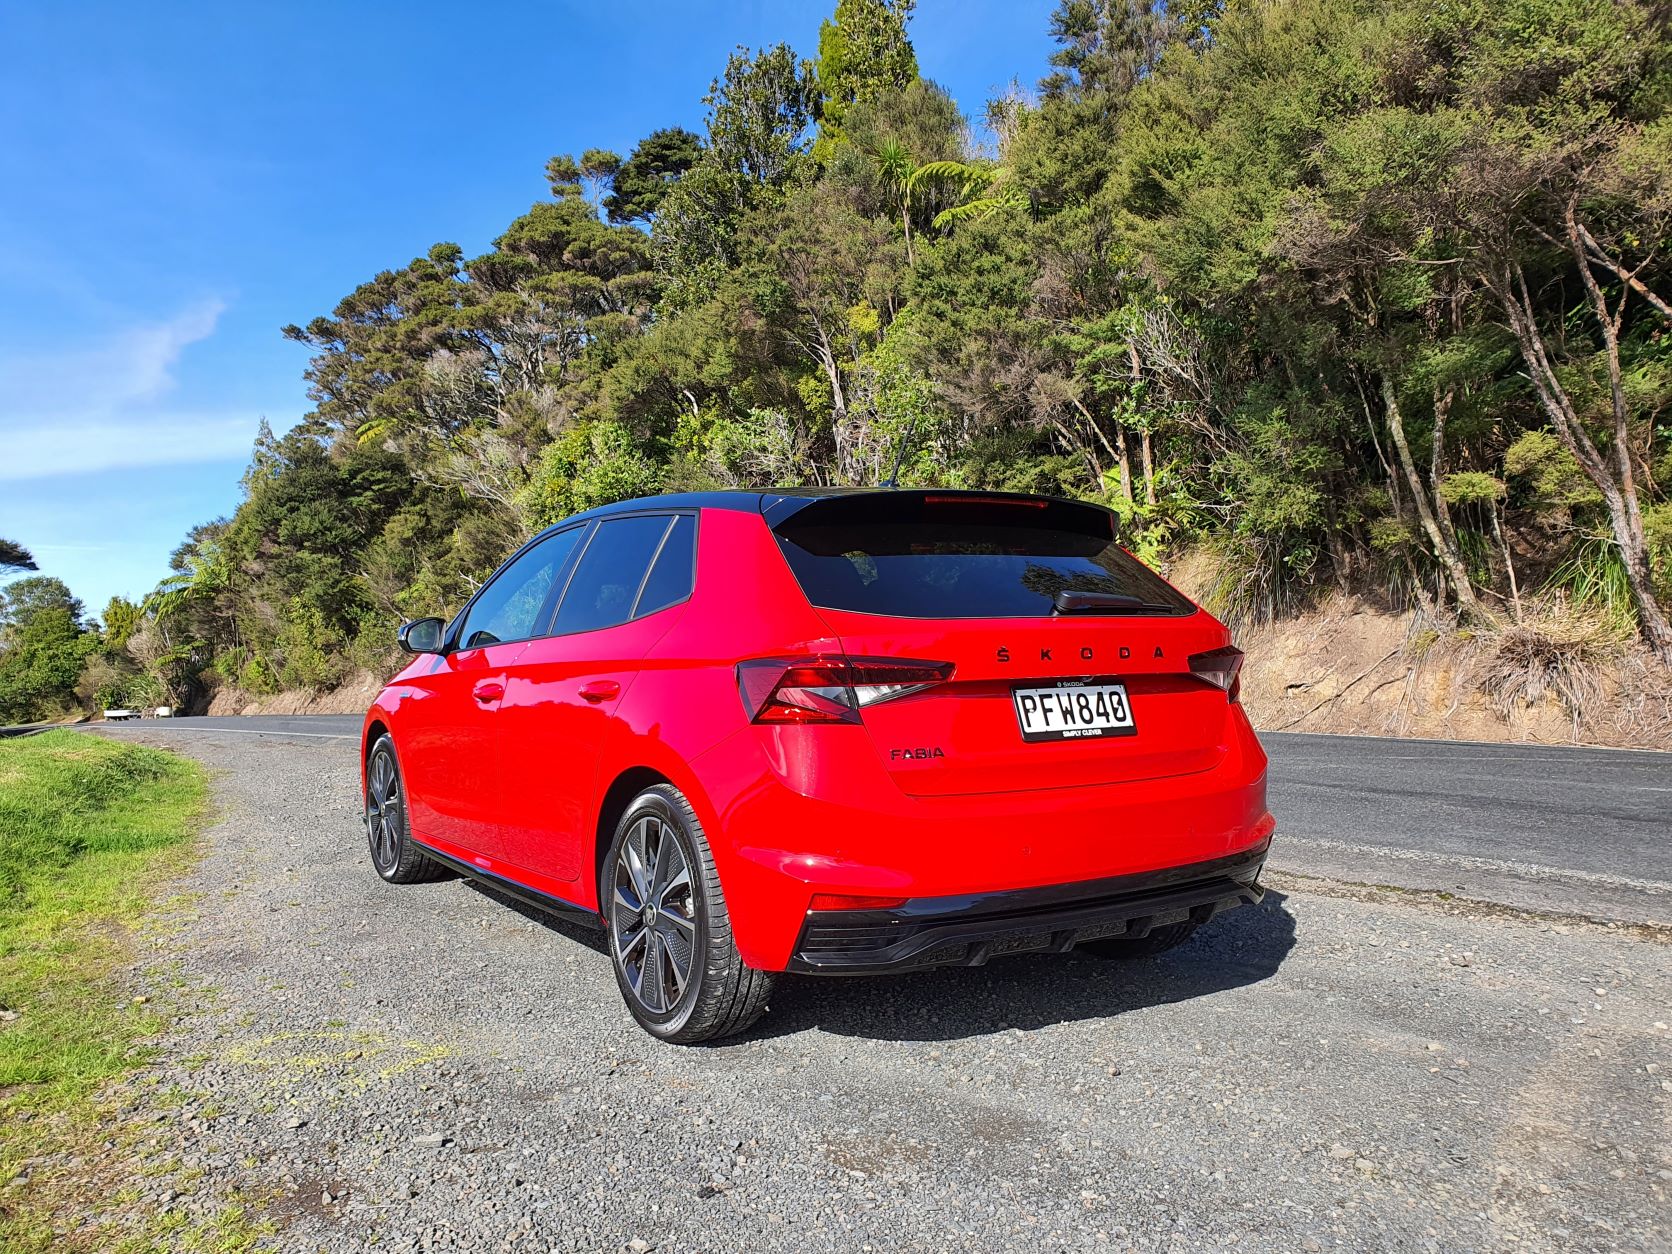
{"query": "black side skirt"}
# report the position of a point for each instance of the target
(566, 910)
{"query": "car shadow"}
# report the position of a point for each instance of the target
(1237, 949)
(1031, 991)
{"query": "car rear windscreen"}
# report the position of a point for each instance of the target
(918, 555)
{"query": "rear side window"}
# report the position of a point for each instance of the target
(606, 582)
(916, 555)
(669, 581)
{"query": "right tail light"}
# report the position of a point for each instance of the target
(1220, 667)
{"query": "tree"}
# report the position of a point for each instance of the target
(659, 160)
(120, 620)
(42, 648)
(864, 53)
(759, 112)
(1107, 47)
(22, 599)
(591, 178)
(13, 556)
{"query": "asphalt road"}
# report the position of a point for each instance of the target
(1563, 830)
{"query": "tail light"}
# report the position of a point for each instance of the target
(829, 689)
(1222, 668)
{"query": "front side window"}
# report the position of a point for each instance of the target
(509, 607)
(607, 579)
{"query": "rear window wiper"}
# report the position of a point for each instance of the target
(1076, 601)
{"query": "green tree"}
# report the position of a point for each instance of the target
(42, 648)
(658, 161)
(864, 53)
(1107, 47)
(13, 557)
(22, 599)
(759, 112)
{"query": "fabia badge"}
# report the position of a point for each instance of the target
(916, 755)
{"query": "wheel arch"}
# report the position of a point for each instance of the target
(376, 726)
(613, 804)
(632, 777)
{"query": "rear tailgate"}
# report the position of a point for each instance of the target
(964, 736)
(975, 580)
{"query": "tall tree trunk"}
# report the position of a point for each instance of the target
(1136, 373)
(1443, 402)
(1116, 450)
(1619, 494)
(1509, 560)
(1634, 547)
(1340, 556)
(1456, 572)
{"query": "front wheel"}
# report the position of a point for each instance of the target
(395, 855)
(670, 934)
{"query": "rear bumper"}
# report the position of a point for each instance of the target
(787, 823)
(968, 930)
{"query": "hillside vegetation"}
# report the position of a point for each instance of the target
(1343, 298)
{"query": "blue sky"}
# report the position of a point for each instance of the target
(180, 180)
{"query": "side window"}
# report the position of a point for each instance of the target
(670, 578)
(509, 607)
(607, 578)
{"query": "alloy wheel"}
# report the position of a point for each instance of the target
(653, 915)
(383, 811)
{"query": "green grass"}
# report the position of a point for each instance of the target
(89, 829)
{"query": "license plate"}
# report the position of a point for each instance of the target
(1074, 709)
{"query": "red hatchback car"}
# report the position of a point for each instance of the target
(827, 733)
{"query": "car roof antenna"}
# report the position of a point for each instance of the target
(893, 480)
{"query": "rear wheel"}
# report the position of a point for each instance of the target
(1159, 941)
(670, 933)
(395, 855)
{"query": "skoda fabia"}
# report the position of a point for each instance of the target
(827, 733)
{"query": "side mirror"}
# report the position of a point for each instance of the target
(422, 635)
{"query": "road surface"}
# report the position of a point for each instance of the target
(1563, 830)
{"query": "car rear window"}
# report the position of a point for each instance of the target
(918, 555)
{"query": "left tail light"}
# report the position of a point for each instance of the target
(1222, 668)
(829, 689)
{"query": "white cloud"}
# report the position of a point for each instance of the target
(34, 452)
(96, 406)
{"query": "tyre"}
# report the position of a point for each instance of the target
(1159, 941)
(395, 855)
(670, 936)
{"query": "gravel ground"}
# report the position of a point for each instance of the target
(427, 1068)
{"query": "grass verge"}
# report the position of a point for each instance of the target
(89, 829)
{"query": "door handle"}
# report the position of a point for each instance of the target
(600, 690)
(488, 690)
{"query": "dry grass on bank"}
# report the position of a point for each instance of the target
(1560, 676)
